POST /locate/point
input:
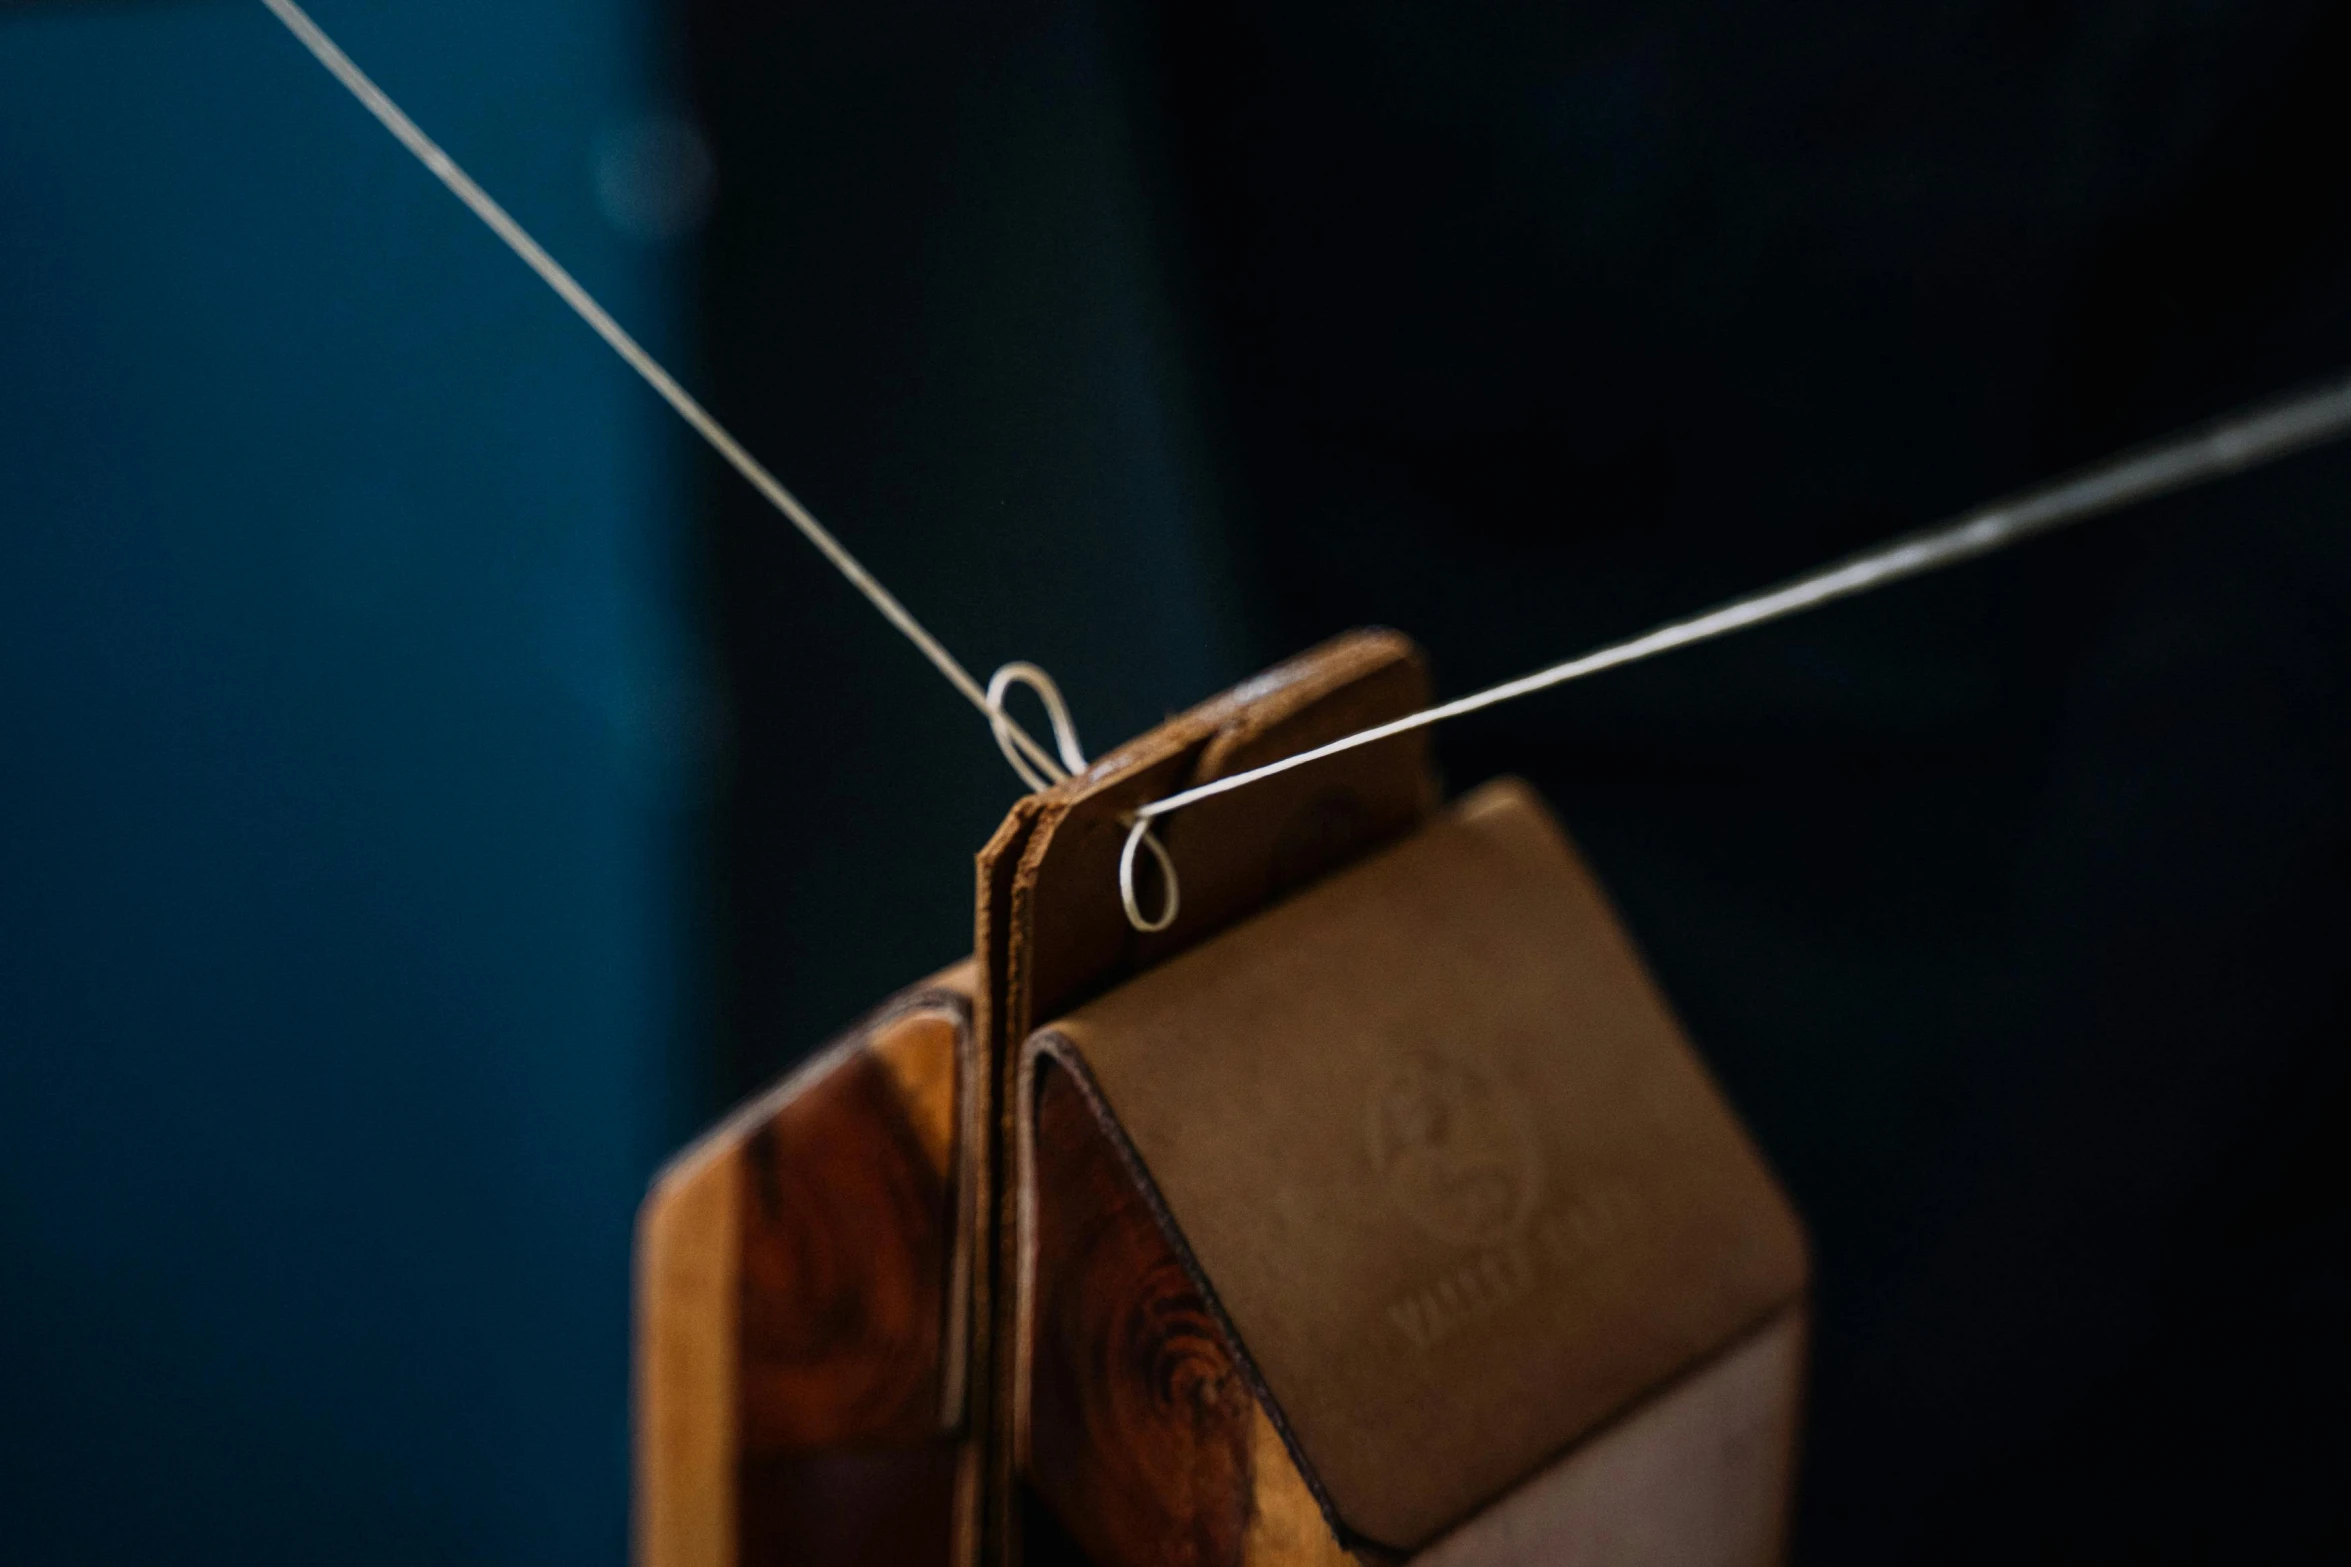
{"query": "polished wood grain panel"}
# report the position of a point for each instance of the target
(800, 1396)
(845, 1228)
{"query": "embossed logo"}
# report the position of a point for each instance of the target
(1456, 1152)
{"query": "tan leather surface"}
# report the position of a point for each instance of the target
(1146, 1441)
(1232, 854)
(1445, 1163)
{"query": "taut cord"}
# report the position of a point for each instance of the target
(2227, 445)
(1009, 734)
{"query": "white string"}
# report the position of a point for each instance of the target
(1139, 834)
(1073, 757)
(2227, 445)
(1065, 729)
(1009, 734)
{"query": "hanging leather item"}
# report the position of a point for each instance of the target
(1400, 1221)
(1374, 1209)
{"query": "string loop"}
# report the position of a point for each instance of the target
(1073, 759)
(1140, 835)
(1065, 729)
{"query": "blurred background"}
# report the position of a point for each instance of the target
(432, 789)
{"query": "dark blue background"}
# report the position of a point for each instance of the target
(349, 758)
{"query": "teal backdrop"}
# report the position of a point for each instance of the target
(349, 768)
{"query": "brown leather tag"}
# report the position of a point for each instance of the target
(1442, 1167)
(1049, 923)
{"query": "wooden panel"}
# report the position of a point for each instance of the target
(1457, 1181)
(850, 1507)
(800, 1385)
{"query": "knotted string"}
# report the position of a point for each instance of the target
(1065, 730)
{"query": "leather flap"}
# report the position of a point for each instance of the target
(1050, 929)
(1441, 1156)
(1237, 852)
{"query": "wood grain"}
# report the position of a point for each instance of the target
(845, 1217)
(1138, 1423)
(799, 1395)
(1145, 1443)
